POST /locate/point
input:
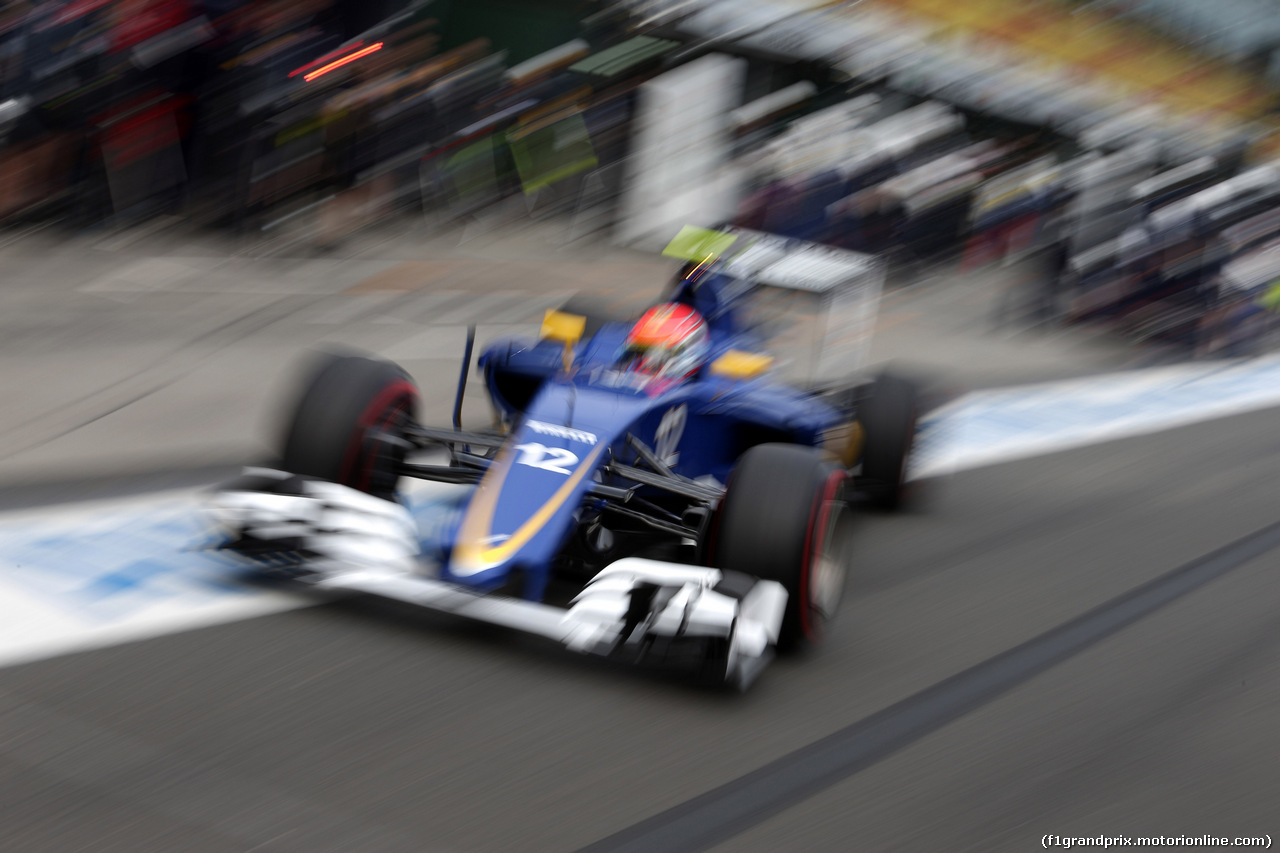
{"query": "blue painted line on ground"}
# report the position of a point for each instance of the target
(109, 574)
(123, 562)
(129, 577)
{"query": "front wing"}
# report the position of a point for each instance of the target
(335, 538)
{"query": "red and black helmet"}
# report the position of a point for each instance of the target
(669, 342)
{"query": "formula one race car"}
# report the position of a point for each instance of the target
(648, 494)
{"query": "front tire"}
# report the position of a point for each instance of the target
(346, 422)
(888, 417)
(784, 518)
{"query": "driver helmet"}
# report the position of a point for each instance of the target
(669, 342)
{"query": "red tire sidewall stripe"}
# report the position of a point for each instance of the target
(814, 540)
(378, 413)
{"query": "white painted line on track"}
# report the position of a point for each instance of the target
(418, 308)
(530, 308)
(1000, 425)
(82, 576)
(345, 309)
(479, 306)
(448, 342)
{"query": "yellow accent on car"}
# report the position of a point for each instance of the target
(736, 364)
(562, 327)
(857, 439)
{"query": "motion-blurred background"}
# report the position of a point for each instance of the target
(192, 194)
(1119, 150)
(184, 182)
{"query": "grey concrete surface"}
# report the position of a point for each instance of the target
(1161, 732)
(368, 726)
(974, 329)
(172, 349)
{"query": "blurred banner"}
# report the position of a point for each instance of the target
(679, 167)
(545, 153)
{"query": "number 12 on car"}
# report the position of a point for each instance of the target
(555, 459)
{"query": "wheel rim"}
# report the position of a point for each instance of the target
(826, 564)
(829, 567)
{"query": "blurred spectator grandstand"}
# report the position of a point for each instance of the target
(1092, 142)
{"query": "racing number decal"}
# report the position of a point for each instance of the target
(553, 459)
(670, 431)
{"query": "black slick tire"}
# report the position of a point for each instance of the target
(888, 416)
(346, 406)
(784, 518)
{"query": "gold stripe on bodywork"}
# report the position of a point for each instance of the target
(472, 554)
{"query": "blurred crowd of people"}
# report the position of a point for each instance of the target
(258, 113)
(252, 112)
(125, 108)
(1182, 254)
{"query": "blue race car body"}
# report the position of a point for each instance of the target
(567, 424)
(705, 511)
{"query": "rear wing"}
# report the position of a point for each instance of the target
(815, 305)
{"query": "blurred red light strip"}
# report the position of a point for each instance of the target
(71, 12)
(330, 55)
(338, 63)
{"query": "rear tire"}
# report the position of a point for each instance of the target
(347, 423)
(888, 416)
(784, 518)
